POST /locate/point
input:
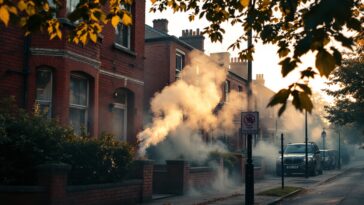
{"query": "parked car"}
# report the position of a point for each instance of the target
(329, 159)
(294, 159)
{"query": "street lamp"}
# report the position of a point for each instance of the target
(323, 135)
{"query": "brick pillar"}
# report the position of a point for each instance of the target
(54, 177)
(178, 176)
(144, 170)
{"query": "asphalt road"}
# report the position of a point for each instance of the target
(347, 189)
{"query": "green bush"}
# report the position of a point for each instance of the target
(229, 159)
(28, 140)
(97, 161)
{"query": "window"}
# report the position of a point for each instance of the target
(240, 89)
(44, 89)
(123, 33)
(119, 110)
(79, 103)
(71, 5)
(180, 62)
(227, 90)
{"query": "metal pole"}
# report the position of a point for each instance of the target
(306, 147)
(249, 175)
(339, 152)
(282, 161)
(249, 167)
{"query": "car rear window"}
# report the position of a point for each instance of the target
(297, 148)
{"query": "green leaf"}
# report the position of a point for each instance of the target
(309, 73)
(302, 101)
(279, 98)
(282, 109)
(287, 66)
(337, 56)
(325, 62)
(305, 88)
(306, 102)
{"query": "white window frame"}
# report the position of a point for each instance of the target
(124, 107)
(46, 102)
(119, 32)
(227, 90)
(179, 68)
(82, 107)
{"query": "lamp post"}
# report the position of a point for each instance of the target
(323, 135)
(339, 165)
(306, 147)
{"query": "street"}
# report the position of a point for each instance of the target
(346, 189)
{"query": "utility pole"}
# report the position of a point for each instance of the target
(306, 146)
(282, 161)
(249, 166)
(339, 151)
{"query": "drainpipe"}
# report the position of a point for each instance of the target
(26, 55)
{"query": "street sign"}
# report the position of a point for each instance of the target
(249, 122)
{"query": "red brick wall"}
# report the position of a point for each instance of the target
(201, 177)
(103, 55)
(157, 65)
(53, 189)
(11, 53)
(160, 66)
(128, 193)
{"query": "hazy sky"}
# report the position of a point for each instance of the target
(265, 58)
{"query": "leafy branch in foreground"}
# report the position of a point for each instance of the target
(348, 90)
(89, 17)
(297, 27)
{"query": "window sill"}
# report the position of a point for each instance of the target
(125, 50)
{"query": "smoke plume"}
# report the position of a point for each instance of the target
(186, 107)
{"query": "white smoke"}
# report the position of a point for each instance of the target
(186, 107)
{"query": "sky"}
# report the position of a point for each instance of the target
(265, 58)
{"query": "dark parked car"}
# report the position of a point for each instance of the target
(294, 159)
(329, 159)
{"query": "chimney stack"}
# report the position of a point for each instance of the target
(260, 79)
(161, 25)
(239, 67)
(193, 38)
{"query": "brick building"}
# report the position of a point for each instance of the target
(94, 88)
(166, 57)
(236, 80)
(268, 115)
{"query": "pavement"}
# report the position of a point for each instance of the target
(233, 195)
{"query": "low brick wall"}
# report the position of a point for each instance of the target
(52, 189)
(176, 177)
(201, 177)
(30, 195)
(127, 192)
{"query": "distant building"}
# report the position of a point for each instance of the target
(94, 88)
(166, 56)
(268, 115)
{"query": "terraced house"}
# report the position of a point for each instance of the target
(94, 88)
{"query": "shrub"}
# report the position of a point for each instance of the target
(97, 160)
(27, 140)
(228, 158)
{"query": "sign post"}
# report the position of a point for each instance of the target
(249, 126)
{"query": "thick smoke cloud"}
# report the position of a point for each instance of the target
(186, 107)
